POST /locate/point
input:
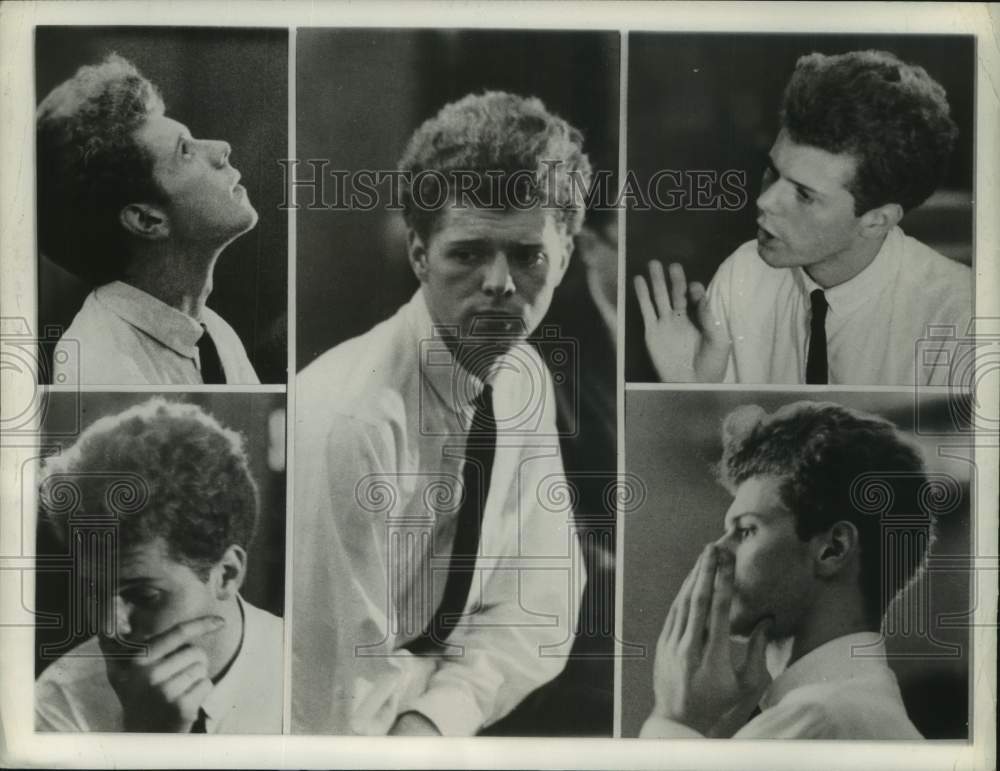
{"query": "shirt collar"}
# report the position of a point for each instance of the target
(225, 694)
(171, 327)
(861, 655)
(856, 291)
(456, 386)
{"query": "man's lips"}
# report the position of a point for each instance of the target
(763, 234)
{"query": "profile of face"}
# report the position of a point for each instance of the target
(205, 204)
(154, 592)
(805, 212)
(491, 273)
(773, 576)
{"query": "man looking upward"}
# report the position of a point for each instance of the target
(132, 203)
(832, 290)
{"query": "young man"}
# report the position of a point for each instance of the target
(179, 650)
(803, 563)
(832, 290)
(129, 201)
(433, 585)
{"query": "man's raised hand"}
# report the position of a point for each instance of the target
(695, 681)
(682, 350)
(162, 689)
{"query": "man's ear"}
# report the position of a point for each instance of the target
(877, 222)
(231, 570)
(417, 252)
(144, 221)
(837, 548)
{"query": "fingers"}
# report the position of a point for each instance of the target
(678, 288)
(659, 285)
(184, 680)
(191, 700)
(178, 661)
(722, 600)
(701, 599)
(187, 631)
(683, 600)
(645, 304)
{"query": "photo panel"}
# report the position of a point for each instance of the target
(162, 217)
(763, 210)
(160, 589)
(705, 472)
(445, 244)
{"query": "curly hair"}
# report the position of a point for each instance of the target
(891, 116)
(90, 166)
(507, 144)
(832, 461)
(161, 470)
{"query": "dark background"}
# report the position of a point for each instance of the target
(259, 417)
(672, 441)
(229, 84)
(710, 101)
(362, 93)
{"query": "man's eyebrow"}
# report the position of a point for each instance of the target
(774, 169)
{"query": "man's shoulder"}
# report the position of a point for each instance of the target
(73, 693)
(363, 371)
(922, 264)
(854, 708)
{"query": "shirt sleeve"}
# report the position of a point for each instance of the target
(53, 711)
(528, 603)
(347, 676)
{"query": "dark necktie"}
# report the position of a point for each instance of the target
(816, 366)
(480, 449)
(208, 355)
(199, 725)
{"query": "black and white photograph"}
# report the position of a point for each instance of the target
(455, 407)
(800, 567)
(161, 560)
(806, 207)
(162, 240)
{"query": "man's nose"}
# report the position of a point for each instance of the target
(219, 150)
(769, 199)
(123, 621)
(497, 280)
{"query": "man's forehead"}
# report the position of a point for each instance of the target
(460, 222)
(160, 132)
(819, 169)
(760, 496)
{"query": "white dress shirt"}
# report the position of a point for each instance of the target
(841, 690)
(382, 422)
(73, 693)
(875, 324)
(124, 336)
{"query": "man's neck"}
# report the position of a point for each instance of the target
(846, 265)
(181, 279)
(832, 620)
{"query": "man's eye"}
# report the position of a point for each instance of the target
(142, 597)
(742, 533)
(465, 255)
(804, 196)
(531, 257)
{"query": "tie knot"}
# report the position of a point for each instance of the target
(819, 304)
